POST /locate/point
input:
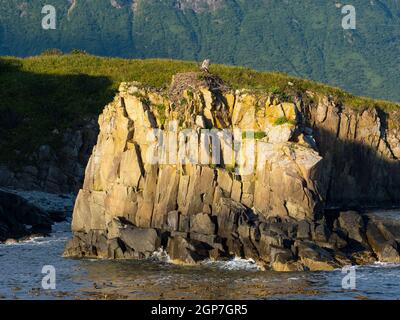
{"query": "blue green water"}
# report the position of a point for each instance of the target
(21, 273)
(21, 265)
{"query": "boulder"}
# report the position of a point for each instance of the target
(184, 251)
(363, 257)
(337, 241)
(228, 215)
(140, 240)
(283, 260)
(321, 232)
(280, 133)
(386, 250)
(314, 257)
(172, 221)
(19, 218)
(202, 223)
(82, 245)
(287, 266)
(352, 223)
(303, 230)
(278, 254)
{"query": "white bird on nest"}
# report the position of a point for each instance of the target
(205, 65)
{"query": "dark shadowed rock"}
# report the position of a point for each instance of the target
(385, 249)
(249, 249)
(19, 219)
(337, 241)
(82, 245)
(321, 232)
(184, 223)
(280, 254)
(352, 223)
(184, 251)
(303, 230)
(229, 212)
(58, 216)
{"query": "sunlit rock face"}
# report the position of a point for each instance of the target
(205, 172)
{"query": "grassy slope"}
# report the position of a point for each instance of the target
(39, 94)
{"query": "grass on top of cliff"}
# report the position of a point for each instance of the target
(43, 93)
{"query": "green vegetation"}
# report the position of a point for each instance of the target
(52, 52)
(161, 110)
(256, 135)
(47, 92)
(230, 168)
(190, 94)
(183, 102)
(283, 120)
(302, 38)
(78, 51)
(275, 90)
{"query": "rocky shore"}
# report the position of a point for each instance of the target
(285, 196)
(25, 214)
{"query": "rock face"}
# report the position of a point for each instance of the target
(55, 170)
(207, 173)
(360, 150)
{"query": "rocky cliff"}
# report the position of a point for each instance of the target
(210, 173)
(54, 169)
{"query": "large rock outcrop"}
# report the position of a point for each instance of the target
(54, 170)
(20, 219)
(360, 150)
(205, 172)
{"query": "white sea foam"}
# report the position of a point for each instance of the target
(234, 264)
(385, 265)
(60, 233)
(160, 255)
(37, 241)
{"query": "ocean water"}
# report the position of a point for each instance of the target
(21, 277)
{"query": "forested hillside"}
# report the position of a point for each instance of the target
(301, 37)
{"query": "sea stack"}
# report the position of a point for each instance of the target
(207, 172)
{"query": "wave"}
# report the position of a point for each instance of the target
(235, 264)
(39, 241)
(380, 264)
(161, 255)
(60, 233)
